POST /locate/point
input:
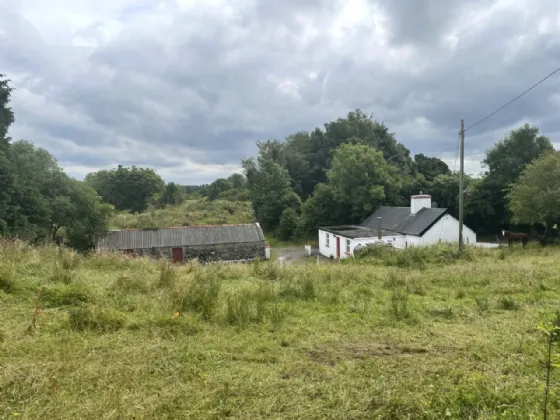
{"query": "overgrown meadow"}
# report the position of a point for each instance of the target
(422, 334)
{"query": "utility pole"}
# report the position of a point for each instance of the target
(461, 173)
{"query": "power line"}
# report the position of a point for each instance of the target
(513, 100)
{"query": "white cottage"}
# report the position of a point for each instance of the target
(419, 224)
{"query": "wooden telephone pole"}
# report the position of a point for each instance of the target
(461, 173)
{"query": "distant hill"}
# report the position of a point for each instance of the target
(191, 212)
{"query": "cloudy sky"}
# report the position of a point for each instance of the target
(187, 86)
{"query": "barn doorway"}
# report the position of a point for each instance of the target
(177, 255)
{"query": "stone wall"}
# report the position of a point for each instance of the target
(220, 252)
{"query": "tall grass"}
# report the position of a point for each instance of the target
(384, 336)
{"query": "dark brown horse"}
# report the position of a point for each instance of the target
(514, 237)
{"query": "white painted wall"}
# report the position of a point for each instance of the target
(324, 249)
(447, 230)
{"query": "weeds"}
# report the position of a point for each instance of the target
(508, 304)
(399, 309)
(7, 283)
(167, 275)
(482, 303)
(96, 318)
(253, 306)
(199, 294)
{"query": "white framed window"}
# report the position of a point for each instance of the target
(328, 239)
(348, 246)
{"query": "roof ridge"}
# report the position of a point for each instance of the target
(183, 227)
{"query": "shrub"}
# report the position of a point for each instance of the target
(97, 319)
(288, 223)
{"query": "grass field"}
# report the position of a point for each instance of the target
(191, 212)
(419, 335)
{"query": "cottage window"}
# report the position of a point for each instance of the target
(348, 246)
(328, 239)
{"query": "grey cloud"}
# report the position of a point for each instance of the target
(209, 85)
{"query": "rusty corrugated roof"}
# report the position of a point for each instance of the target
(181, 236)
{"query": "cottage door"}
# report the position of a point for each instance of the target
(177, 255)
(338, 247)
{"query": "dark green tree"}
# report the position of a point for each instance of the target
(6, 113)
(430, 167)
(504, 163)
(127, 188)
(270, 191)
(217, 187)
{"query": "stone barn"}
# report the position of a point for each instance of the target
(204, 242)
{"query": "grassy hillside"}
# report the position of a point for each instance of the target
(419, 336)
(192, 212)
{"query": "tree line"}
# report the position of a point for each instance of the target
(342, 173)
(338, 174)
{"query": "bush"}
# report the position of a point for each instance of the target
(288, 224)
(97, 319)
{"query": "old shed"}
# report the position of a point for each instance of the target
(204, 242)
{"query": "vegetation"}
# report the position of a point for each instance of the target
(108, 336)
(128, 188)
(535, 198)
(344, 172)
(190, 212)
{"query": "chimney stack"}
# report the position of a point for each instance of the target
(418, 202)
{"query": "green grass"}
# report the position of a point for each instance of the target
(191, 212)
(425, 335)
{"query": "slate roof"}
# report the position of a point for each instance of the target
(399, 219)
(181, 236)
(354, 232)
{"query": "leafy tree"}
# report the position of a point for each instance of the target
(6, 113)
(361, 177)
(430, 167)
(321, 209)
(237, 181)
(535, 197)
(288, 224)
(270, 191)
(172, 195)
(127, 188)
(217, 187)
(91, 217)
(505, 162)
